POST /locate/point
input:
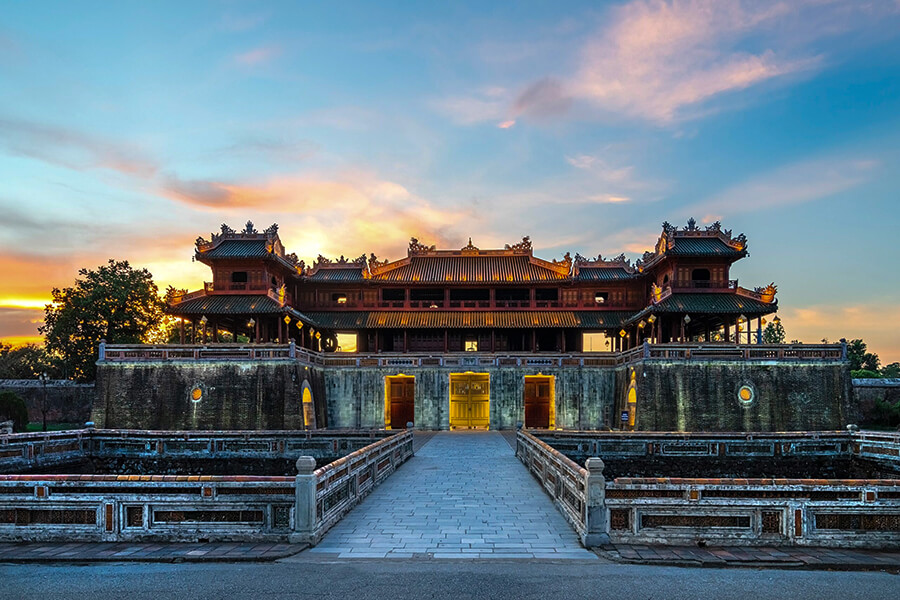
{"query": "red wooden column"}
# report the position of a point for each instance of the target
(533, 333)
(405, 342)
(493, 342)
(182, 331)
(562, 342)
(446, 341)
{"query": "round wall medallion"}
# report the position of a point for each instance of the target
(746, 394)
(197, 392)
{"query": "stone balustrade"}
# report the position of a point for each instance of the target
(576, 491)
(753, 511)
(325, 495)
(683, 352)
(189, 507)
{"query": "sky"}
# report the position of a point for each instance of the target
(128, 129)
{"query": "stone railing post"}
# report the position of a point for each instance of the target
(646, 347)
(305, 501)
(292, 349)
(597, 526)
(102, 351)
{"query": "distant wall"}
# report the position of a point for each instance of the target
(683, 395)
(704, 396)
(867, 391)
(67, 402)
(258, 394)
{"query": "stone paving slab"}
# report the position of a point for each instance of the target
(464, 495)
(756, 557)
(144, 552)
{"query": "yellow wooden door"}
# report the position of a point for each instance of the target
(469, 401)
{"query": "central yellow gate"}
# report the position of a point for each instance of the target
(470, 400)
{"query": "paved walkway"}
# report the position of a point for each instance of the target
(837, 559)
(144, 552)
(463, 495)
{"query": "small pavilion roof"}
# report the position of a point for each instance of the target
(709, 303)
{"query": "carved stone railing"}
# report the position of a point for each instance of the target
(26, 451)
(804, 512)
(739, 445)
(826, 352)
(576, 491)
(739, 511)
(325, 495)
(880, 446)
(134, 507)
(145, 507)
(707, 351)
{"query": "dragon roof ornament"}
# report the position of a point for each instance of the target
(670, 232)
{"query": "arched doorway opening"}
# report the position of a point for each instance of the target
(307, 407)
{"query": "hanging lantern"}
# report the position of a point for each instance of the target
(287, 319)
(623, 333)
(651, 319)
(299, 324)
(318, 335)
(642, 324)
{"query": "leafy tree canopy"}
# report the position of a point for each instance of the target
(773, 333)
(892, 370)
(114, 302)
(28, 362)
(859, 358)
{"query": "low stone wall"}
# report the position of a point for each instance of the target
(190, 507)
(40, 452)
(66, 401)
(751, 511)
(867, 391)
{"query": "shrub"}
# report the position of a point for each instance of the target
(12, 407)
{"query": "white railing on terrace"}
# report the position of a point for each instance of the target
(703, 351)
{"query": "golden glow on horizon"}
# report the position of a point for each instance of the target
(29, 303)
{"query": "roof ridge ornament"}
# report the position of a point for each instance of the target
(469, 248)
(416, 248)
(523, 247)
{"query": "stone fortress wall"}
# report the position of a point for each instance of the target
(700, 394)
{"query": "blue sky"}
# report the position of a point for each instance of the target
(127, 129)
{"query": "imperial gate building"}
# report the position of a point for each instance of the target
(473, 337)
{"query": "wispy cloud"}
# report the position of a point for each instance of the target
(258, 56)
(666, 60)
(658, 58)
(806, 181)
(72, 149)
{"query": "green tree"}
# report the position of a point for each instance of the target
(28, 362)
(12, 408)
(114, 302)
(859, 358)
(892, 370)
(773, 333)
